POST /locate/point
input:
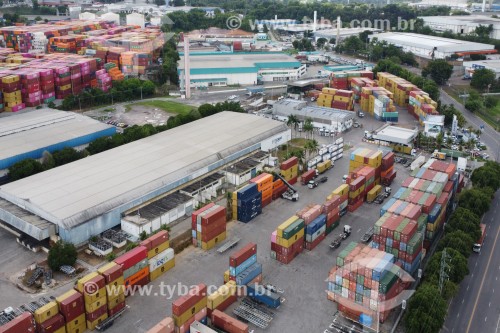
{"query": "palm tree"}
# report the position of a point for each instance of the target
(310, 147)
(292, 121)
(439, 140)
(308, 126)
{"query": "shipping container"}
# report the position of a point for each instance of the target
(243, 254)
(132, 257)
(111, 272)
(164, 326)
(182, 304)
(23, 323)
(71, 305)
(227, 323)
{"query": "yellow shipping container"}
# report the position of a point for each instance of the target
(223, 293)
(77, 329)
(91, 298)
(373, 193)
(47, 311)
(286, 224)
(81, 282)
(115, 290)
(61, 330)
(357, 193)
(289, 242)
(341, 98)
(179, 320)
(76, 323)
(91, 307)
(92, 324)
(341, 190)
(153, 275)
(106, 267)
(226, 276)
(10, 79)
(115, 301)
(159, 249)
(211, 243)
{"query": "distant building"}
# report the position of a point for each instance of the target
(462, 25)
(343, 33)
(433, 125)
(471, 66)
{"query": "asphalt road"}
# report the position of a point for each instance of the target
(476, 307)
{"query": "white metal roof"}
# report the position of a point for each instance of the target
(26, 132)
(429, 42)
(76, 192)
(461, 20)
(396, 134)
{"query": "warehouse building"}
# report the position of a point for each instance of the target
(462, 25)
(28, 135)
(471, 66)
(424, 46)
(343, 33)
(84, 198)
(222, 69)
(323, 119)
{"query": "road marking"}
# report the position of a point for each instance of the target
(358, 230)
(482, 282)
(475, 264)
(485, 319)
(468, 287)
(463, 300)
(498, 324)
(458, 314)
(489, 304)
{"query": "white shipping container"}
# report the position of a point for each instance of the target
(161, 259)
(345, 292)
(326, 156)
(197, 327)
(323, 151)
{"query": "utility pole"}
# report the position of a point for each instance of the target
(443, 275)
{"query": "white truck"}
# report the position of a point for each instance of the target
(461, 164)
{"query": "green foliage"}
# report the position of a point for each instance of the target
(473, 105)
(110, 257)
(464, 220)
(448, 110)
(60, 254)
(48, 161)
(320, 43)
(131, 246)
(426, 310)
(439, 70)
(487, 176)
(66, 155)
(303, 44)
(143, 235)
(482, 78)
(458, 268)
(476, 200)
(457, 240)
(490, 102)
(24, 169)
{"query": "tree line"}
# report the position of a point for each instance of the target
(28, 167)
(427, 308)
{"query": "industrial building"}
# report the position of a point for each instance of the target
(424, 46)
(342, 33)
(28, 135)
(222, 69)
(433, 125)
(396, 135)
(471, 66)
(462, 25)
(84, 198)
(333, 120)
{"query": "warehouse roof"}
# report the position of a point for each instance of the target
(27, 135)
(396, 134)
(76, 192)
(288, 107)
(214, 63)
(429, 42)
(462, 20)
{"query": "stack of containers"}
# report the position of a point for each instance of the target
(164, 326)
(208, 226)
(361, 281)
(222, 298)
(315, 232)
(49, 320)
(366, 157)
(398, 86)
(331, 208)
(400, 237)
(264, 183)
(191, 307)
(420, 105)
(114, 71)
(93, 288)
(227, 323)
(47, 85)
(290, 170)
(30, 87)
(243, 266)
(287, 241)
(336, 98)
(11, 89)
(115, 287)
(357, 84)
(247, 203)
(104, 81)
(22, 323)
(356, 193)
(343, 192)
(343, 79)
(278, 188)
(63, 82)
(387, 171)
(369, 173)
(378, 102)
(72, 307)
(135, 266)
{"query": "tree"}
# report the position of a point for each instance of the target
(292, 121)
(439, 70)
(457, 240)
(36, 5)
(320, 43)
(159, 2)
(469, 226)
(24, 168)
(65, 156)
(482, 78)
(308, 127)
(47, 160)
(311, 146)
(61, 254)
(473, 105)
(178, 3)
(487, 176)
(476, 200)
(143, 235)
(426, 310)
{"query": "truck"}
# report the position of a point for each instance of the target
(438, 155)
(291, 194)
(307, 176)
(260, 294)
(477, 246)
(324, 166)
(461, 164)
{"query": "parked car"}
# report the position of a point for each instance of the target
(355, 125)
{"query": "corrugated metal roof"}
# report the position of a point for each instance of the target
(76, 192)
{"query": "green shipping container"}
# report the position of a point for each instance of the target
(414, 243)
(422, 222)
(294, 228)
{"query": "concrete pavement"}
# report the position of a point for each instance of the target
(476, 308)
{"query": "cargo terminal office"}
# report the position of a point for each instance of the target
(84, 198)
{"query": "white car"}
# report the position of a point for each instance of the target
(232, 97)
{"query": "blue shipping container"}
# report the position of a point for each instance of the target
(247, 191)
(244, 265)
(249, 274)
(262, 295)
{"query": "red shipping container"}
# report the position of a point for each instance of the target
(448, 187)
(51, 325)
(215, 215)
(243, 254)
(332, 216)
(92, 316)
(329, 205)
(155, 240)
(293, 180)
(195, 214)
(112, 274)
(116, 309)
(207, 236)
(214, 226)
(184, 303)
(227, 323)
(72, 306)
(353, 207)
(407, 182)
(310, 246)
(307, 176)
(267, 201)
(289, 163)
(24, 323)
(277, 192)
(132, 257)
(356, 183)
(133, 288)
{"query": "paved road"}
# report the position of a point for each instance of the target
(476, 307)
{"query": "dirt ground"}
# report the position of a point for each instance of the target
(132, 114)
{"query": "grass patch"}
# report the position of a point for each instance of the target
(167, 106)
